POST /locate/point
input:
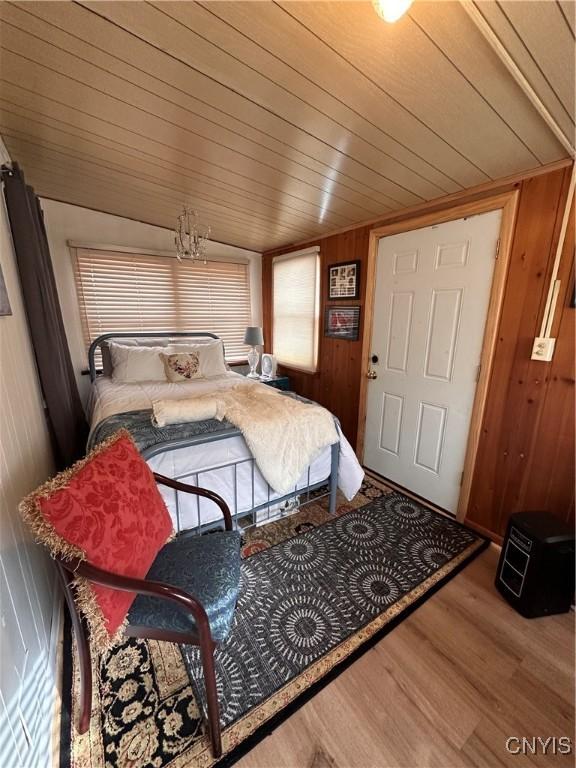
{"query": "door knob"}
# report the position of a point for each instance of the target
(372, 375)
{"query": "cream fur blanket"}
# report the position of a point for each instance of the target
(283, 434)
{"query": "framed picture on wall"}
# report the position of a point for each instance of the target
(344, 280)
(342, 323)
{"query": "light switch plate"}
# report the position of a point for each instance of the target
(543, 349)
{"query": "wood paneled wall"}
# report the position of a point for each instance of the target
(525, 458)
(526, 453)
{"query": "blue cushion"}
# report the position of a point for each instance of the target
(208, 568)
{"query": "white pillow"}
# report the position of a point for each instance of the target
(211, 356)
(157, 341)
(131, 364)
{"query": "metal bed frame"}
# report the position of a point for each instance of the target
(195, 476)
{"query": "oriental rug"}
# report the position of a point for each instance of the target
(317, 590)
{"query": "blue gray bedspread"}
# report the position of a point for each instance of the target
(146, 435)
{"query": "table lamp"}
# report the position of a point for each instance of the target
(254, 338)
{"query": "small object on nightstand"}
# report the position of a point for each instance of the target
(268, 367)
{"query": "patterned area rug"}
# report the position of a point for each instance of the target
(315, 591)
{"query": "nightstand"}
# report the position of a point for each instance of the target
(278, 382)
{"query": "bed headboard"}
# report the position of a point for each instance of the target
(135, 335)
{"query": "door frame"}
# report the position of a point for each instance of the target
(506, 202)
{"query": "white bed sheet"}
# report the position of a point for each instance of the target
(203, 464)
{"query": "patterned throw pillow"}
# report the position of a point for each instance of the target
(107, 510)
(210, 355)
(182, 366)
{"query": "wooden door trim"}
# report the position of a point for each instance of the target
(508, 204)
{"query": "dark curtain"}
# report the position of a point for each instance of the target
(66, 420)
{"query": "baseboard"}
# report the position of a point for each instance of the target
(496, 539)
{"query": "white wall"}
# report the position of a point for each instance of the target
(29, 601)
(70, 222)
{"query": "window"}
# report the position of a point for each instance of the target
(296, 301)
(140, 292)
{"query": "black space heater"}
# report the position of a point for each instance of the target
(536, 567)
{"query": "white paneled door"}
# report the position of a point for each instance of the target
(430, 305)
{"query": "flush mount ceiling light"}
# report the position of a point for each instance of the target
(391, 10)
(191, 239)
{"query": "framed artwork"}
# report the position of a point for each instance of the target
(344, 280)
(5, 308)
(342, 323)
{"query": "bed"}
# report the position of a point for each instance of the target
(211, 454)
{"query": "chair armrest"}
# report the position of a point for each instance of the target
(178, 486)
(143, 587)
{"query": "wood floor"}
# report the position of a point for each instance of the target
(446, 688)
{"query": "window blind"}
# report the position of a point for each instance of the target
(140, 292)
(296, 300)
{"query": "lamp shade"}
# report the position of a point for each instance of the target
(253, 336)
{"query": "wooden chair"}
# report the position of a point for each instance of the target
(189, 610)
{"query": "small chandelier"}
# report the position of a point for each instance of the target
(191, 238)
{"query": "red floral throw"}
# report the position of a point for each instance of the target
(107, 510)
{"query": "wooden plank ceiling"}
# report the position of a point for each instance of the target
(278, 122)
